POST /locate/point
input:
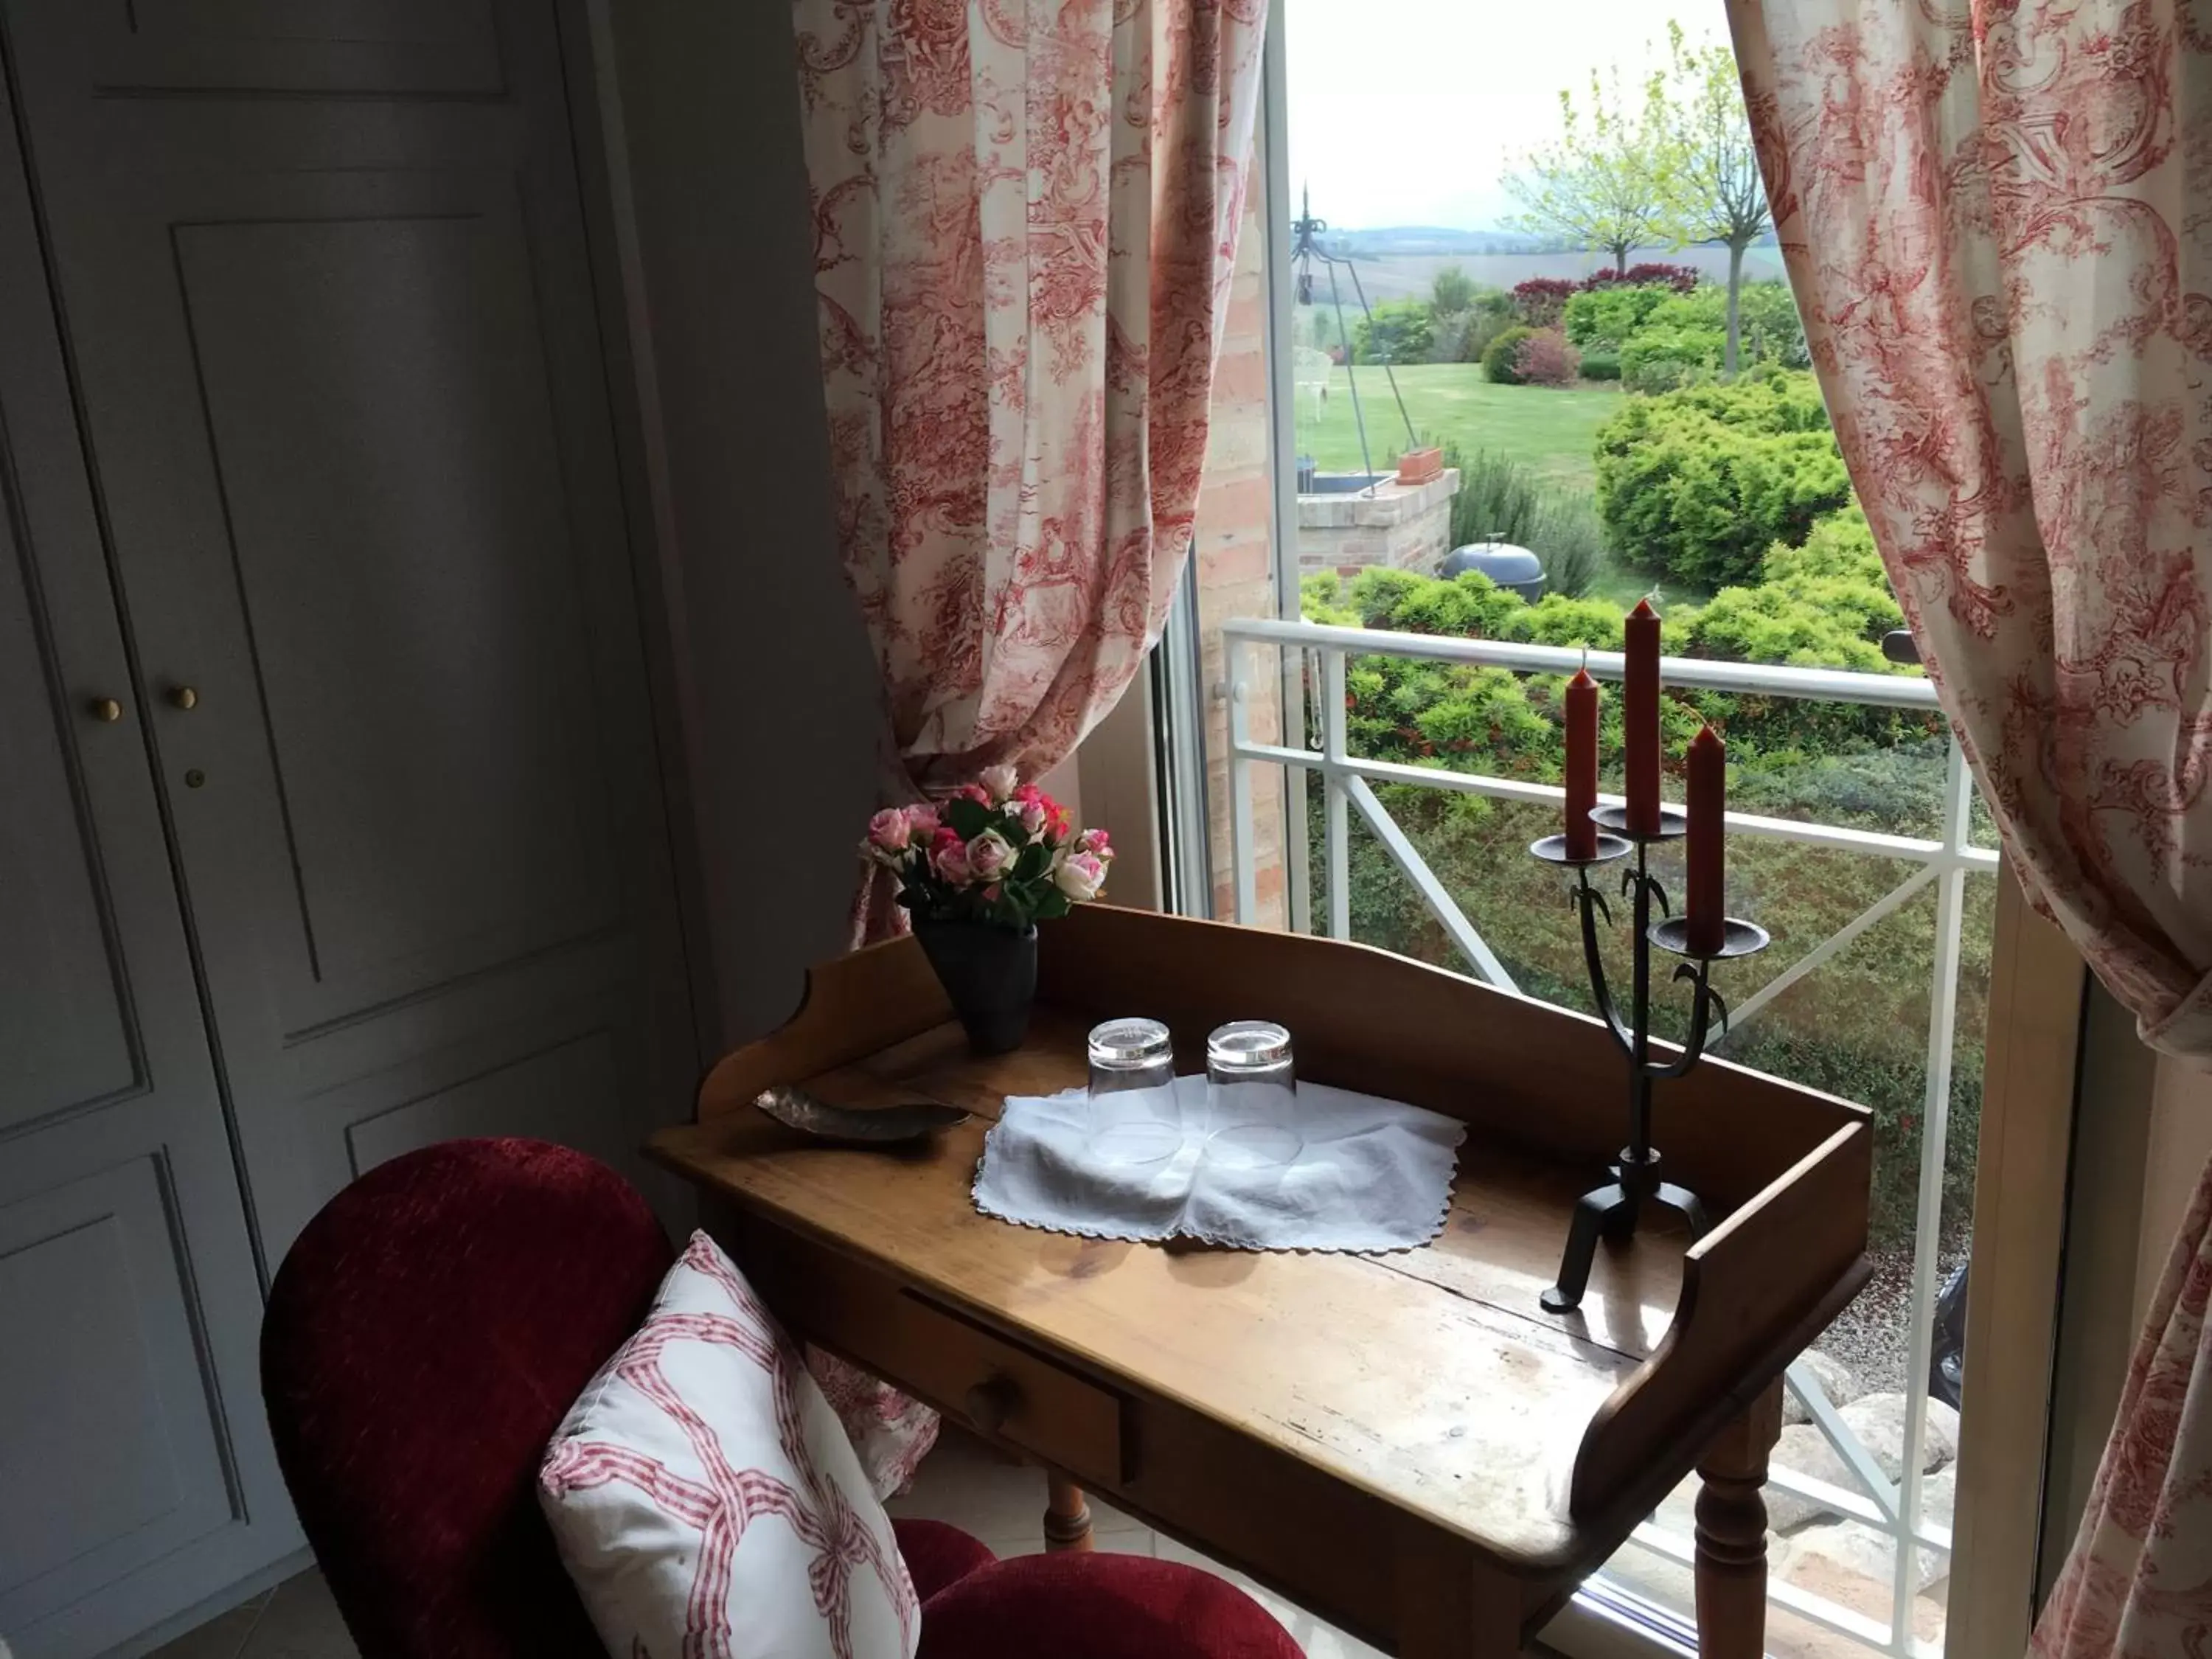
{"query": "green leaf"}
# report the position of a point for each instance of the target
(965, 818)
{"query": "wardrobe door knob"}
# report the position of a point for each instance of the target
(183, 696)
(104, 708)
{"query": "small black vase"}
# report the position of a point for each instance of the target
(990, 973)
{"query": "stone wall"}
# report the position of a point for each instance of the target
(1407, 526)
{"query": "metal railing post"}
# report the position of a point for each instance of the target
(1243, 841)
(1928, 1216)
(1339, 831)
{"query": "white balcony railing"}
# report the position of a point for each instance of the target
(1893, 1507)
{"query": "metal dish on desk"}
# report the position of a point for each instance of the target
(857, 1126)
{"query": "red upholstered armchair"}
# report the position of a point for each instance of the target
(425, 1337)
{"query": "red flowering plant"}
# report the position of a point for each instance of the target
(995, 852)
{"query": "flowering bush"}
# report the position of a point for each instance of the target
(1680, 278)
(1546, 359)
(995, 852)
(1538, 302)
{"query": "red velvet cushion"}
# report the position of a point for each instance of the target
(1097, 1607)
(424, 1336)
(938, 1554)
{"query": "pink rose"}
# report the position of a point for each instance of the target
(890, 830)
(999, 782)
(974, 792)
(948, 857)
(1030, 814)
(1080, 875)
(990, 855)
(921, 822)
(1094, 842)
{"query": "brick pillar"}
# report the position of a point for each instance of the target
(1234, 553)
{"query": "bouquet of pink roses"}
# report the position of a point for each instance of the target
(995, 852)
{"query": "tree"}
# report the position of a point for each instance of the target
(1718, 194)
(1608, 181)
(1451, 290)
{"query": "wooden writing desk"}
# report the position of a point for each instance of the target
(1406, 1444)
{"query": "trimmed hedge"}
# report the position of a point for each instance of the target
(1697, 484)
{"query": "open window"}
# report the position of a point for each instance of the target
(1351, 739)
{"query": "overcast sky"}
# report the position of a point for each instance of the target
(1409, 112)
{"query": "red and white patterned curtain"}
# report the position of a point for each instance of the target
(1025, 217)
(1997, 217)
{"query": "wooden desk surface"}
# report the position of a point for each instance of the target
(1416, 1405)
(1366, 1365)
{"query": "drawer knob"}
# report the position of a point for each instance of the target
(992, 1402)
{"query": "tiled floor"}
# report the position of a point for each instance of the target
(962, 1481)
(1002, 1503)
(295, 1620)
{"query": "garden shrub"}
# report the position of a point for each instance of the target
(1699, 483)
(1568, 540)
(1841, 544)
(1463, 607)
(1657, 359)
(1546, 359)
(1482, 328)
(1600, 366)
(1497, 496)
(1378, 590)
(1680, 278)
(1501, 358)
(1824, 604)
(1610, 316)
(1774, 623)
(1403, 331)
(1538, 302)
(1769, 400)
(1448, 336)
(1565, 620)
(1767, 318)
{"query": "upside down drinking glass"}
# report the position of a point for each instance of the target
(1251, 1095)
(1134, 1115)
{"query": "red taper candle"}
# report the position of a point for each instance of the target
(1581, 765)
(1639, 711)
(1706, 910)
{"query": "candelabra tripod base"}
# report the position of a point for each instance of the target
(1612, 1211)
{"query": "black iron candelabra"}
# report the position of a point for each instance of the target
(1611, 1210)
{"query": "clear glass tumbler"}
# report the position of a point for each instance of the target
(1251, 1095)
(1134, 1115)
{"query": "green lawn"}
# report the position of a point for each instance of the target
(1553, 431)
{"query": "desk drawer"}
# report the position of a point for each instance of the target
(999, 1388)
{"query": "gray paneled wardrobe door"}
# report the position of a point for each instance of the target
(324, 288)
(135, 1475)
(331, 312)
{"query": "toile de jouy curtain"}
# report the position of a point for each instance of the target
(1025, 217)
(1025, 214)
(1997, 217)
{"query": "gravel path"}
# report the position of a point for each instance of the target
(1871, 1336)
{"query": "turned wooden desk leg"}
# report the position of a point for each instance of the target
(1067, 1516)
(1732, 1534)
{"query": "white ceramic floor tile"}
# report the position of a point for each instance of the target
(220, 1637)
(301, 1622)
(974, 1488)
